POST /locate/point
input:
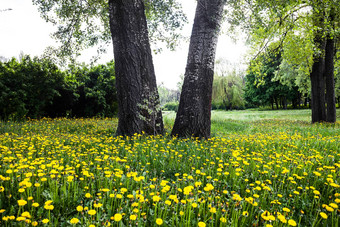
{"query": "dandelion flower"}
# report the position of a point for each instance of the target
(92, 212)
(291, 222)
(323, 215)
(159, 221)
(74, 220)
(117, 217)
(45, 221)
(22, 202)
(201, 224)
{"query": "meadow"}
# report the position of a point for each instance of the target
(260, 168)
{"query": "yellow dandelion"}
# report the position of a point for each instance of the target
(159, 221)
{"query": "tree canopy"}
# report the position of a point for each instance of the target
(85, 23)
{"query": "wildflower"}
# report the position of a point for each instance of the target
(97, 205)
(285, 209)
(245, 213)
(2, 210)
(330, 209)
(194, 205)
(92, 212)
(282, 218)
(213, 210)
(22, 202)
(21, 218)
(291, 222)
(88, 195)
(335, 206)
(223, 219)
(133, 217)
(80, 208)
(74, 221)
(159, 221)
(49, 207)
(26, 214)
(156, 198)
(45, 221)
(201, 224)
(35, 223)
(323, 215)
(2, 189)
(117, 217)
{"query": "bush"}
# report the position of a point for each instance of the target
(171, 106)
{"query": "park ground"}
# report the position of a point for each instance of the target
(260, 168)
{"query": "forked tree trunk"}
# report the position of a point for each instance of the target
(317, 74)
(329, 74)
(194, 113)
(138, 100)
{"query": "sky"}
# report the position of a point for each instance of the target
(22, 30)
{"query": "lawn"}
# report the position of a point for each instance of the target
(260, 168)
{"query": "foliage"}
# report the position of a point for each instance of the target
(37, 88)
(95, 90)
(75, 172)
(171, 106)
(228, 92)
(85, 23)
(27, 87)
(263, 88)
(167, 95)
(290, 28)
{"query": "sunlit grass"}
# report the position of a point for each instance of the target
(76, 172)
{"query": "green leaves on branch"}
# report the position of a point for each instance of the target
(85, 23)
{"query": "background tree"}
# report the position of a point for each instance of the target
(194, 113)
(262, 87)
(228, 92)
(36, 88)
(269, 21)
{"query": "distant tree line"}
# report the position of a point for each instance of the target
(36, 88)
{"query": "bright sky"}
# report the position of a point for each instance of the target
(22, 30)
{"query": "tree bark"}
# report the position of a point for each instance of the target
(194, 114)
(329, 74)
(317, 74)
(138, 99)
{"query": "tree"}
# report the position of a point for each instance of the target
(270, 21)
(85, 23)
(263, 88)
(194, 114)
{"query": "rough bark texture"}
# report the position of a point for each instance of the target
(194, 113)
(329, 75)
(317, 74)
(138, 99)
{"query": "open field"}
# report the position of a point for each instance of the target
(267, 168)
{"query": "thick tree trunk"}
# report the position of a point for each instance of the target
(317, 74)
(329, 75)
(194, 113)
(138, 100)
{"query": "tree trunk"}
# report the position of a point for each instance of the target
(194, 114)
(329, 75)
(317, 75)
(138, 99)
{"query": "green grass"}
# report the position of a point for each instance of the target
(260, 168)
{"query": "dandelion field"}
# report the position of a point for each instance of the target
(64, 172)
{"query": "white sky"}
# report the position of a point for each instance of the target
(22, 30)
